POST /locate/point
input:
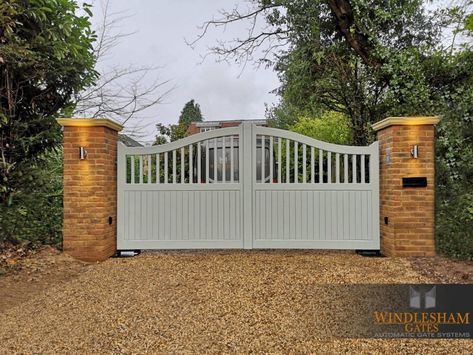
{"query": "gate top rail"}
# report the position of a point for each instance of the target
(330, 147)
(207, 157)
(181, 143)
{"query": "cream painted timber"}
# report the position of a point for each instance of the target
(249, 213)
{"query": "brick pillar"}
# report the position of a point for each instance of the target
(407, 213)
(90, 188)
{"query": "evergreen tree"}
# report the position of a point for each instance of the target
(190, 113)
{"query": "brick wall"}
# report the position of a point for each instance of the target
(410, 211)
(90, 192)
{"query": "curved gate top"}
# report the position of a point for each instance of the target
(248, 187)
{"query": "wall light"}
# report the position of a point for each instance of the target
(82, 153)
(415, 151)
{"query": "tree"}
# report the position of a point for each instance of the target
(169, 133)
(190, 113)
(332, 127)
(46, 58)
(120, 93)
(334, 55)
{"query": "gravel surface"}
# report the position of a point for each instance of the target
(28, 276)
(215, 301)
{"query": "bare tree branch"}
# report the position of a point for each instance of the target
(276, 34)
(242, 50)
(120, 93)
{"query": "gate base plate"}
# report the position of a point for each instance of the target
(370, 253)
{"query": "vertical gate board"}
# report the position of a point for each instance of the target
(247, 175)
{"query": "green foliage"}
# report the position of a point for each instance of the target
(190, 113)
(35, 213)
(332, 127)
(359, 71)
(454, 223)
(170, 133)
(469, 22)
(159, 139)
(46, 57)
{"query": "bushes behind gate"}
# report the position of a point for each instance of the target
(454, 170)
(33, 215)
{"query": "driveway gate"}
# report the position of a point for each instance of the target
(248, 187)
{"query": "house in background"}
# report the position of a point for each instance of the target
(199, 127)
(128, 141)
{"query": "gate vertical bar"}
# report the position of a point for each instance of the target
(279, 160)
(121, 182)
(263, 154)
(232, 167)
(247, 162)
(270, 159)
(374, 180)
(191, 166)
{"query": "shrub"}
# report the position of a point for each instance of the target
(34, 213)
(330, 126)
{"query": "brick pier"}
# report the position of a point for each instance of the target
(407, 213)
(90, 188)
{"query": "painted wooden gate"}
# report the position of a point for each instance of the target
(248, 187)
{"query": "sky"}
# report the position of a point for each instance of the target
(160, 29)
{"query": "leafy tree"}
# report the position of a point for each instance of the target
(454, 148)
(337, 55)
(160, 139)
(332, 127)
(190, 113)
(169, 133)
(46, 57)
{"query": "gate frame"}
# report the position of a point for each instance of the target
(248, 133)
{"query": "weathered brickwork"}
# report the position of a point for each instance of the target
(90, 191)
(409, 228)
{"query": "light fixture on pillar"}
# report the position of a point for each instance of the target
(82, 153)
(415, 151)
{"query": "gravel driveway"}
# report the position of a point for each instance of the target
(214, 301)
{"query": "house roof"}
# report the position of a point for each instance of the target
(128, 141)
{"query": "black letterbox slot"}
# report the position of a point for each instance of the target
(414, 181)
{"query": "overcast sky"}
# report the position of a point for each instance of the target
(161, 27)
